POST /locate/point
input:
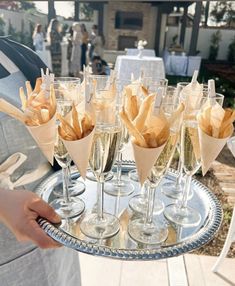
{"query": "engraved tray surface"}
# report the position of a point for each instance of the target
(121, 246)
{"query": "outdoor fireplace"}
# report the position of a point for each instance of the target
(129, 22)
(126, 42)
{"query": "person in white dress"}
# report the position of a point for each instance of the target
(38, 38)
(76, 50)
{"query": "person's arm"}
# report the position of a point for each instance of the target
(19, 211)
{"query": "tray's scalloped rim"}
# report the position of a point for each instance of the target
(197, 240)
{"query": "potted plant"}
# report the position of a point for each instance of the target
(214, 46)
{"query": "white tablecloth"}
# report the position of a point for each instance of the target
(176, 64)
(145, 52)
(126, 65)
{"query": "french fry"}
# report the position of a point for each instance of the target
(65, 135)
(52, 101)
(144, 90)
(163, 135)
(23, 99)
(150, 138)
(176, 114)
(144, 110)
(226, 125)
(134, 106)
(67, 127)
(217, 115)
(28, 89)
(11, 110)
(76, 124)
(86, 124)
(38, 84)
(45, 115)
(132, 129)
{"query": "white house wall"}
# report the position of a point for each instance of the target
(16, 19)
(204, 37)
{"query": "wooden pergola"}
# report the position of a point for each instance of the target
(163, 8)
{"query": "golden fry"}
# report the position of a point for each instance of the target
(28, 88)
(67, 127)
(150, 139)
(144, 90)
(11, 110)
(134, 107)
(65, 135)
(145, 108)
(76, 124)
(132, 129)
(86, 124)
(23, 98)
(45, 115)
(38, 84)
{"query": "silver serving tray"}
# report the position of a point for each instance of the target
(121, 246)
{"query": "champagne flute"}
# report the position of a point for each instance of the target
(173, 188)
(191, 160)
(71, 88)
(149, 229)
(99, 224)
(120, 185)
(66, 207)
(100, 86)
(180, 213)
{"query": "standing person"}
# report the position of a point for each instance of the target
(97, 43)
(38, 38)
(76, 50)
(26, 264)
(54, 38)
(70, 47)
(84, 45)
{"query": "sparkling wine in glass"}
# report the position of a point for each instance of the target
(69, 88)
(181, 213)
(106, 142)
(149, 229)
(120, 185)
(66, 206)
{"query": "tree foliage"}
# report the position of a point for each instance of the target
(214, 46)
(86, 11)
(223, 12)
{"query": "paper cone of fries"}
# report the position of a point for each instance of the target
(145, 159)
(210, 148)
(45, 136)
(79, 151)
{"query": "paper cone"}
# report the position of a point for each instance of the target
(210, 149)
(79, 151)
(45, 136)
(145, 159)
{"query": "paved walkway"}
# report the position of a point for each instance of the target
(224, 170)
(186, 270)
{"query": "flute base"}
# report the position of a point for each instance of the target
(133, 175)
(94, 227)
(122, 188)
(139, 204)
(153, 233)
(75, 187)
(90, 176)
(186, 216)
(174, 192)
(70, 209)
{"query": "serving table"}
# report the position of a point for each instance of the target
(127, 65)
(121, 246)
